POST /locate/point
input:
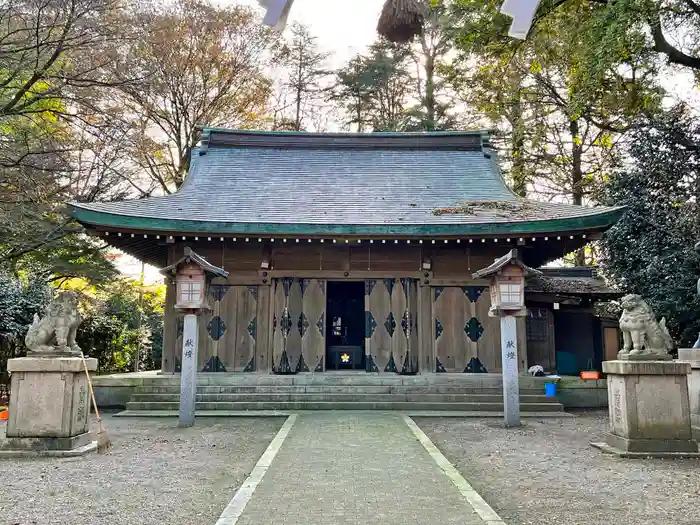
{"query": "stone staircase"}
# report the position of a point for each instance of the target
(231, 394)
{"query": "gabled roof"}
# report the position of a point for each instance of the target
(574, 281)
(191, 256)
(511, 257)
(272, 183)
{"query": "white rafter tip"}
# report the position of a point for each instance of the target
(184, 238)
(321, 240)
(433, 241)
(459, 241)
(571, 236)
(396, 241)
(471, 240)
(157, 236)
(559, 238)
(297, 240)
(119, 234)
(234, 239)
(483, 240)
(107, 233)
(334, 241)
(347, 241)
(546, 238)
(284, 240)
(495, 240)
(383, 241)
(371, 241)
(583, 236)
(359, 241)
(309, 240)
(445, 241)
(145, 236)
(420, 242)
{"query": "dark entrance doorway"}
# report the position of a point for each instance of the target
(345, 326)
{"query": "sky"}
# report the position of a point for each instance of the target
(343, 28)
(346, 29)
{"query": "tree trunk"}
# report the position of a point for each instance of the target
(429, 93)
(300, 87)
(577, 180)
(518, 147)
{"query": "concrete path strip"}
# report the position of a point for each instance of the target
(483, 509)
(236, 506)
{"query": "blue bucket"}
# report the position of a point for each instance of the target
(550, 389)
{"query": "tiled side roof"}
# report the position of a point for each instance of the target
(239, 181)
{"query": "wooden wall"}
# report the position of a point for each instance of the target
(239, 334)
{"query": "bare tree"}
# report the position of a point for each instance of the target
(198, 64)
(301, 94)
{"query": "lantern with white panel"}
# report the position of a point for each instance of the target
(192, 275)
(507, 275)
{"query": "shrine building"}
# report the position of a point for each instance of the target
(349, 251)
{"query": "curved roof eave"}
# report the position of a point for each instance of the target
(596, 221)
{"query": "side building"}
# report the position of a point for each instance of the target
(345, 251)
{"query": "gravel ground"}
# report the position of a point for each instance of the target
(546, 473)
(155, 473)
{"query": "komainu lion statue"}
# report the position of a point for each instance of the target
(643, 337)
(55, 333)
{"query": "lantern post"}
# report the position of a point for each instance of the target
(192, 275)
(507, 288)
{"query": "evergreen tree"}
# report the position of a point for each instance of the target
(650, 251)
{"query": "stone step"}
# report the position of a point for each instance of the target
(333, 389)
(285, 413)
(339, 405)
(358, 378)
(340, 397)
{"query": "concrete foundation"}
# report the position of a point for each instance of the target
(692, 357)
(49, 407)
(649, 409)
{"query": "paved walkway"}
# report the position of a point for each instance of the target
(359, 469)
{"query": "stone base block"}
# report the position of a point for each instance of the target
(649, 409)
(609, 449)
(50, 397)
(692, 356)
(55, 447)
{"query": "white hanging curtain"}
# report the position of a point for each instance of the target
(522, 12)
(277, 13)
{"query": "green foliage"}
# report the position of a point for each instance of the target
(20, 299)
(650, 250)
(121, 325)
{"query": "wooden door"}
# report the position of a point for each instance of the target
(298, 324)
(230, 329)
(390, 312)
(463, 329)
(540, 338)
(312, 325)
(286, 339)
(611, 342)
(410, 364)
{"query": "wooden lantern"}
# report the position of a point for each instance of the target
(507, 285)
(193, 275)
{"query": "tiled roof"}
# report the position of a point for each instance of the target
(246, 181)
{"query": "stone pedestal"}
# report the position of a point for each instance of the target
(692, 357)
(649, 409)
(49, 407)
